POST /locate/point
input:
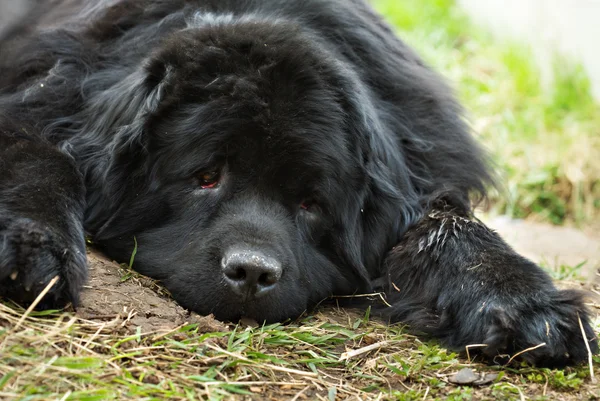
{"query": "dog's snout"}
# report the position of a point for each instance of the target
(250, 272)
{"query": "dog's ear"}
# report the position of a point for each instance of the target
(140, 99)
(112, 142)
(389, 203)
(115, 117)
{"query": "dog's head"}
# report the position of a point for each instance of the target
(250, 166)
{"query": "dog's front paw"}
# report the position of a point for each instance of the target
(550, 332)
(31, 255)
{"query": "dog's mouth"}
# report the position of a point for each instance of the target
(247, 318)
(271, 308)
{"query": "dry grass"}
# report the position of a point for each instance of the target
(333, 354)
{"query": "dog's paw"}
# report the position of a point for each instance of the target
(548, 332)
(31, 255)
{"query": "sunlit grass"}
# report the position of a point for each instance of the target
(544, 139)
(59, 357)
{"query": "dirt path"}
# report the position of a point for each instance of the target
(551, 245)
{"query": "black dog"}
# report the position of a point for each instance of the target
(264, 154)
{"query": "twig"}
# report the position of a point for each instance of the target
(253, 383)
(36, 302)
(351, 354)
(299, 394)
(524, 351)
(66, 396)
(162, 335)
(375, 294)
(587, 346)
(426, 393)
(93, 337)
(473, 346)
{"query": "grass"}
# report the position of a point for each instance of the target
(54, 355)
(331, 354)
(544, 139)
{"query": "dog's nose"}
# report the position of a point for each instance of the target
(250, 272)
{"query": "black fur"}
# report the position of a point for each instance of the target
(343, 164)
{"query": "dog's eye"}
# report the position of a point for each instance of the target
(208, 179)
(309, 205)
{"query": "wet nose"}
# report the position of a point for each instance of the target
(250, 272)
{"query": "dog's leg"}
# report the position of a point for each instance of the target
(454, 278)
(41, 211)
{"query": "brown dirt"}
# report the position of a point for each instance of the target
(551, 245)
(113, 292)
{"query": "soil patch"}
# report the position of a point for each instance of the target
(114, 291)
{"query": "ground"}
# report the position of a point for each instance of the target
(129, 340)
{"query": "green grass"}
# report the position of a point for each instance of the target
(332, 354)
(563, 272)
(59, 356)
(544, 139)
